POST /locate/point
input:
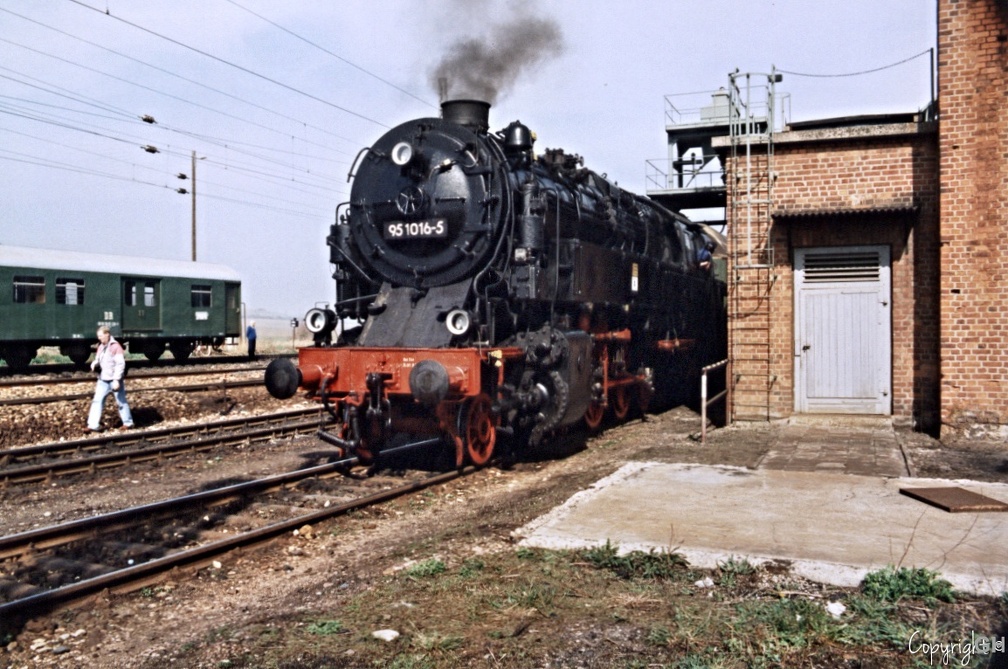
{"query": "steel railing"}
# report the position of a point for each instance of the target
(704, 402)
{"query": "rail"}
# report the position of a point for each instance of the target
(35, 602)
(659, 175)
(704, 402)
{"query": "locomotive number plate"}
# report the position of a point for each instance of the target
(427, 229)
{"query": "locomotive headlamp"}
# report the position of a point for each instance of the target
(402, 153)
(319, 320)
(457, 321)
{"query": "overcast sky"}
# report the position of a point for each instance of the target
(277, 98)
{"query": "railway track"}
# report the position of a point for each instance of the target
(6, 374)
(81, 377)
(223, 384)
(44, 461)
(52, 567)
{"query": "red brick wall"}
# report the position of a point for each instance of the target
(973, 143)
(869, 183)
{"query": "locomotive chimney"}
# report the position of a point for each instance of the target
(474, 114)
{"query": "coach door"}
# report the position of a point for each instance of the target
(141, 304)
(232, 313)
(842, 348)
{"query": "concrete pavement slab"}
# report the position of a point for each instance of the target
(833, 528)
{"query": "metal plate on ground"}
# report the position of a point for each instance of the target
(955, 500)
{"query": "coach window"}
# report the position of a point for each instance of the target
(201, 295)
(149, 294)
(130, 295)
(29, 289)
(69, 291)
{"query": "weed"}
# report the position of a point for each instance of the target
(437, 641)
(426, 569)
(636, 664)
(691, 661)
(659, 636)
(873, 621)
(892, 584)
(406, 662)
(529, 594)
(636, 564)
(471, 567)
(534, 595)
(602, 557)
(326, 627)
(525, 553)
(731, 569)
(787, 623)
(219, 634)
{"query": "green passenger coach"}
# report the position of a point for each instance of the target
(60, 298)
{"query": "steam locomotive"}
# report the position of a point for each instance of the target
(488, 295)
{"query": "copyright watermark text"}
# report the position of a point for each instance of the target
(960, 652)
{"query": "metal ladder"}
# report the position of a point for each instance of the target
(751, 271)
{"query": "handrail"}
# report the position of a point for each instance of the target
(703, 397)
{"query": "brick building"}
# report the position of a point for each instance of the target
(973, 145)
(866, 262)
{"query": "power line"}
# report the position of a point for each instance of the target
(33, 160)
(327, 184)
(230, 64)
(223, 143)
(179, 76)
(141, 86)
(61, 92)
(210, 139)
(859, 73)
(42, 162)
(334, 55)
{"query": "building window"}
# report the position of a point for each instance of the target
(69, 291)
(201, 295)
(29, 289)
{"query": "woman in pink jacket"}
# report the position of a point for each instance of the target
(110, 362)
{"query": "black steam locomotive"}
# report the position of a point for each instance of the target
(490, 291)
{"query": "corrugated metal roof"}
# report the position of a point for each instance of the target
(845, 211)
(23, 256)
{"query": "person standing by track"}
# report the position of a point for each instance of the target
(250, 335)
(110, 363)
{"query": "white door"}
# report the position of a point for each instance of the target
(842, 348)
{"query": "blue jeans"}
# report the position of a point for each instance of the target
(102, 390)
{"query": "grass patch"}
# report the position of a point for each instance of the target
(782, 623)
(732, 569)
(426, 569)
(595, 607)
(636, 564)
(326, 627)
(892, 584)
(471, 567)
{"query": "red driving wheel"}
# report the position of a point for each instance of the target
(620, 402)
(480, 430)
(594, 414)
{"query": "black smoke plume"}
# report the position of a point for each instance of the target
(482, 69)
